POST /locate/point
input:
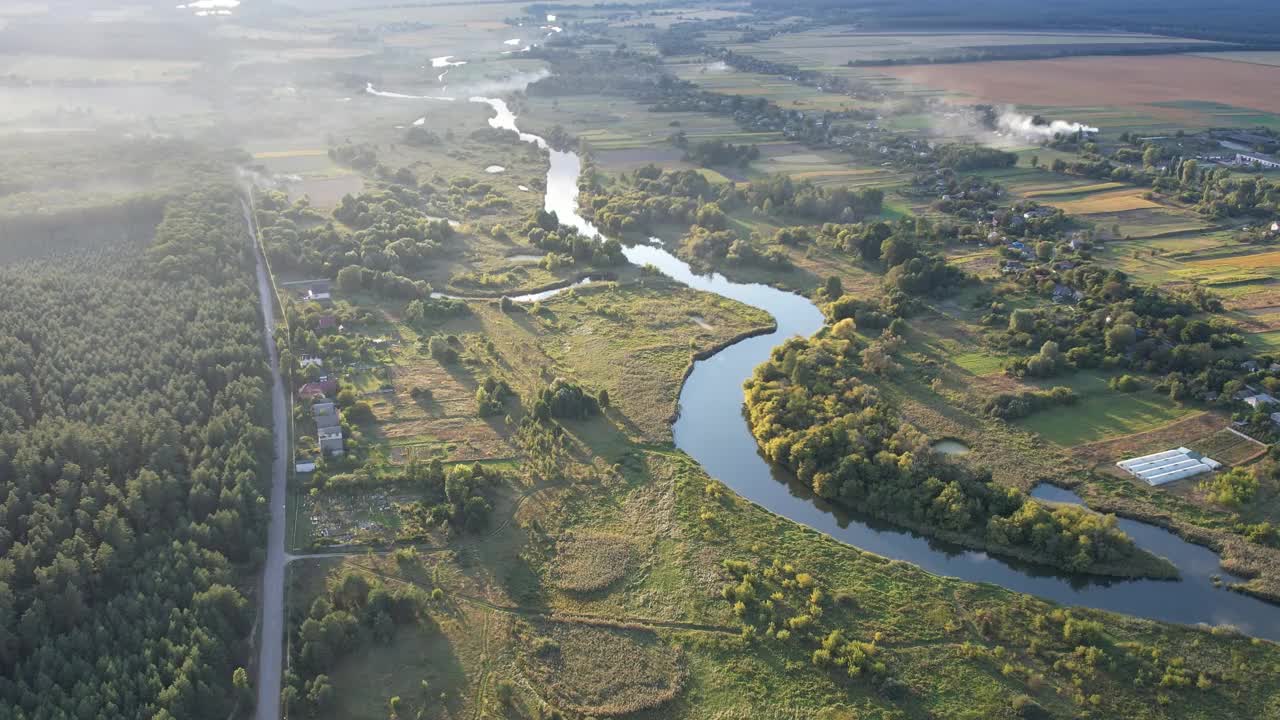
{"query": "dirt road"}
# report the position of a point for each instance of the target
(271, 651)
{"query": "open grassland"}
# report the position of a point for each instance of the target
(634, 341)
(827, 47)
(1100, 81)
(1101, 412)
(661, 642)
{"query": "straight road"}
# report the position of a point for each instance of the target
(271, 655)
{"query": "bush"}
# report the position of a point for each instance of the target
(442, 350)
(1011, 406)
(1125, 383)
(359, 413)
(1235, 487)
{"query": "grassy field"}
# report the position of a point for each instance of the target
(633, 340)
(662, 643)
(1101, 412)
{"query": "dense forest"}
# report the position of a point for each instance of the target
(812, 414)
(133, 413)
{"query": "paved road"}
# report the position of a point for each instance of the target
(271, 655)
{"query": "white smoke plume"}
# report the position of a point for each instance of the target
(1034, 129)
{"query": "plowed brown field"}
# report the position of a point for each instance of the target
(1097, 81)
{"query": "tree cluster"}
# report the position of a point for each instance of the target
(812, 414)
(133, 447)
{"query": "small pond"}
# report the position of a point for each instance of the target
(950, 446)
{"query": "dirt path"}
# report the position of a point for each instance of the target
(614, 621)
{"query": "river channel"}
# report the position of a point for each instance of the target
(711, 429)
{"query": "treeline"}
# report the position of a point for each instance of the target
(384, 234)
(545, 232)
(457, 498)
(711, 153)
(649, 197)
(133, 446)
(812, 414)
(1218, 192)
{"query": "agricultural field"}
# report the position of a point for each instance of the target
(1098, 201)
(1255, 57)
(831, 47)
(1138, 84)
(614, 124)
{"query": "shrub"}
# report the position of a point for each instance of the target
(1125, 383)
(441, 350)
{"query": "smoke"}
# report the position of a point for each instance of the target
(514, 83)
(1035, 128)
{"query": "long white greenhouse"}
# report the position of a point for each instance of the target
(1163, 467)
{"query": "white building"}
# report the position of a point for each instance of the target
(1259, 159)
(1164, 467)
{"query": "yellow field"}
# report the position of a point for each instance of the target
(1130, 199)
(1259, 260)
(277, 154)
(1079, 189)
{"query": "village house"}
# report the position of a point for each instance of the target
(324, 322)
(318, 291)
(1062, 293)
(311, 361)
(324, 387)
(1259, 402)
(330, 441)
(325, 415)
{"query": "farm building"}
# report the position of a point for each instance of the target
(1164, 467)
(1250, 159)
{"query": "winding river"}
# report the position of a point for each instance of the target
(712, 430)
